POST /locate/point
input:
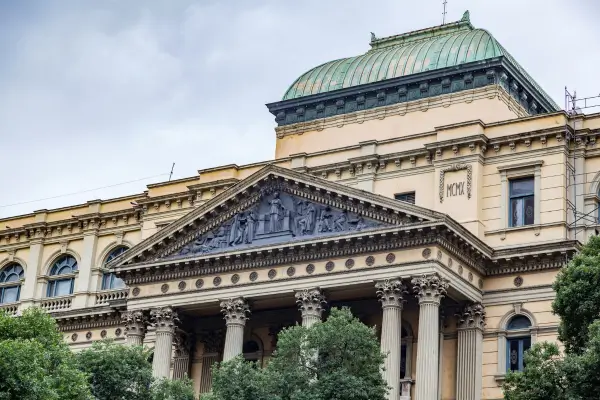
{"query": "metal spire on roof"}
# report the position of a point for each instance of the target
(444, 13)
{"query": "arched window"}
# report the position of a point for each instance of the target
(62, 276)
(252, 350)
(518, 342)
(109, 279)
(10, 283)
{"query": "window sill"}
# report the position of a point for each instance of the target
(534, 227)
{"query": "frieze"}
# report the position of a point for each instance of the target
(277, 218)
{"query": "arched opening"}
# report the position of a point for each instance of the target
(62, 276)
(253, 350)
(518, 341)
(10, 283)
(109, 279)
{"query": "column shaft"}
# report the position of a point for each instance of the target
(428, 352)
(161, 364)
(236, 313)
(391, 295)
(430, 289)
(234, 341)
(164, 319)
(470, 352)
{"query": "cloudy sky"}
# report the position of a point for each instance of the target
(99, 93)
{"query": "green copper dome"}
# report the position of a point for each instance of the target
(424, 50)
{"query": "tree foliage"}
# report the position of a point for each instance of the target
(574, 376)
(167, 389)
(116, 371)
(35, 363)
(333, 360)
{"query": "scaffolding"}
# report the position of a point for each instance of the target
(577, 219)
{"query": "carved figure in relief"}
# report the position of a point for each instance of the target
(275, 213)
(305, 219)
(340, 222)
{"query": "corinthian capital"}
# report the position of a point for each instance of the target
(235, 311)
(135, 322)
(391, 292)
(164, 318)
(472, 316)
(430, 288)
(311, 302)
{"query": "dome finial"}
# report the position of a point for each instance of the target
(466, 17)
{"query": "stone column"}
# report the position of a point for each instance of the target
(391, 294)
(311, 303)
(164, 320)
(429, 290)
(470, 352)
(135, 326)
(236, 313)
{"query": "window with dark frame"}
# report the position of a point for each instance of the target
(521, 202)
(10, 283)
(110, 279)
(65, 265)
(408, 197)
(517, 346)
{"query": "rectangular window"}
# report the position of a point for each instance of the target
(521, 199)
(516, 348)
(62, 287)
(9, 294)
(408, 197)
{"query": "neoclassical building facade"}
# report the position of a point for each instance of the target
(427, 184)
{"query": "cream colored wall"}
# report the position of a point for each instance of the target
(487, 104)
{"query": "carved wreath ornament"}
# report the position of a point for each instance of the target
(452, 168)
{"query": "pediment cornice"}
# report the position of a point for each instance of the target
(247, 193)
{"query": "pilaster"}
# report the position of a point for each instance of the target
(390, 293)
(470, 352)
(429, 289)
(86, 264)
(164, 320)
(235, 312)
(32, 271)
(311, 303)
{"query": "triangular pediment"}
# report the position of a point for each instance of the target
(272, 207)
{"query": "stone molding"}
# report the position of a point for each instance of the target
(164, 319)
(430, 288)
(235, 311)
(452, 168)
(311, 302)
(391, 292)
(472, 316)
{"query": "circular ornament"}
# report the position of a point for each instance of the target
(235, 278)
(470, 277)
(518, 281)
(164, 288)
(390, 258)
(439, 255)
(199, 283)
(450, 262)
(103, 334)
(88, 335)
(480, 283)
(272, 274)
(74, 337)
(135, 291)
(460, 270)
(253, 276)
(217, 281)
(181, 285)
(291, 271)
(349, 263)
(310, 268)
(118, 332)
(426, 253)
(370, 261)
(330, 266)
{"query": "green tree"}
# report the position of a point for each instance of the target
(167, 389)
(572, 376)
(333, 360)
(35, 363)
(116, 371)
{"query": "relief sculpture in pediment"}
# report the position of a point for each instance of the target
(277, 218)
